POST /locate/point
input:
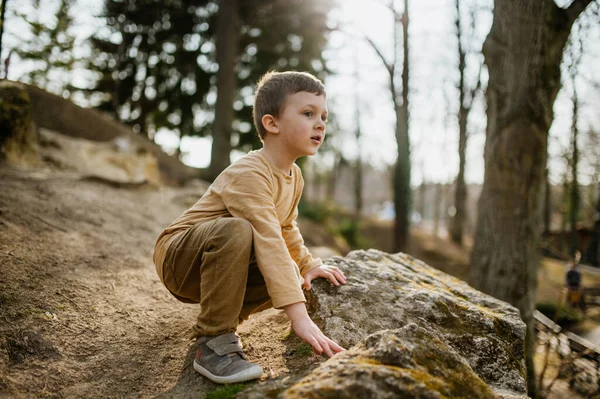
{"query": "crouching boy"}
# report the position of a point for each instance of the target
(238, 250)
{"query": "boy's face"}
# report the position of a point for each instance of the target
(302, 123)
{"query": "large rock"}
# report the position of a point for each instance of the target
(413, 332)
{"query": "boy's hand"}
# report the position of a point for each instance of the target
(332, 273)
(306, 329)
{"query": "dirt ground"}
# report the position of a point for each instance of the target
(82, 311)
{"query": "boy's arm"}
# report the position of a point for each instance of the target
(293, 239)
(295, 244)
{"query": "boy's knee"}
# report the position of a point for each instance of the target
(237, 230)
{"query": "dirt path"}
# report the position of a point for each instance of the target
(82, 312)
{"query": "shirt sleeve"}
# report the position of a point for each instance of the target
(250, 196)
(292, 236)
(296, 247)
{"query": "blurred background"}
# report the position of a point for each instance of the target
(154, 67)
(402, 167)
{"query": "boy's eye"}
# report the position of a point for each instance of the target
(308, 113)
(324, 118)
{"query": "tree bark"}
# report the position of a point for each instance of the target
(227, 44)
(523, 52)
(402, 192)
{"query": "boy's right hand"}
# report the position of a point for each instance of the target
(306, 329)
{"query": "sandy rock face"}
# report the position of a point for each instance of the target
(412, 331)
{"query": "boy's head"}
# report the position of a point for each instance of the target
(274, 88)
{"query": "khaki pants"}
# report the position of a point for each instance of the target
(213, 264)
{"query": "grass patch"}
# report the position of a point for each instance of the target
(304, 350)
(226, 391)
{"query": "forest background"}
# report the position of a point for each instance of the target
(415, 97)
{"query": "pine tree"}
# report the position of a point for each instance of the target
(50, 48)
(158, 64)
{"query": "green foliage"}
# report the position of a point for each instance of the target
(337, 221)
(567, 316)
(158, 62)
(349, 228)
(318, 212)
(226, 391)
(50, 48)
(304, 350)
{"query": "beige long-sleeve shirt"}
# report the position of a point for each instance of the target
(255, 190)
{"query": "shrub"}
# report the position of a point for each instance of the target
(566, 317)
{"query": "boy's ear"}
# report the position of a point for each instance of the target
(270, 124)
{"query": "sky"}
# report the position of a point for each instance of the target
(359, 73)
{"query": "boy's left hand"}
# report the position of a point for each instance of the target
(332, 273)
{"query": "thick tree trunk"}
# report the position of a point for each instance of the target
(402, 192)
(460, 195)
(227, 43)
(523, 52)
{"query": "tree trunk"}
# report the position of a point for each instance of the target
(547, 213)
(333, 176)
(574, 191)
(227, 44)
(2, 15)
(523, 52)
(594, 245)
(358, 173)
(460, 196)
(420, 202)
(547, 204)
(402, 190)
(438, 205)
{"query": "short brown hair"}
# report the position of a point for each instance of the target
(273, 89)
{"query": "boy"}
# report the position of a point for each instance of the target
(238, 250)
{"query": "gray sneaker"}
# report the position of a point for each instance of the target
(221, 360)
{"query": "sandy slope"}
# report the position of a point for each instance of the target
(82, 311)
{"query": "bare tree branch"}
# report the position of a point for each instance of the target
(388, 66)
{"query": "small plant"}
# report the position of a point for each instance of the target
(304, 350)
(226, 391)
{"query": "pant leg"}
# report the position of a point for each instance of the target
(209, 264)
(257, 297)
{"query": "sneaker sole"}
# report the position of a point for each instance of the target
(251, 373)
